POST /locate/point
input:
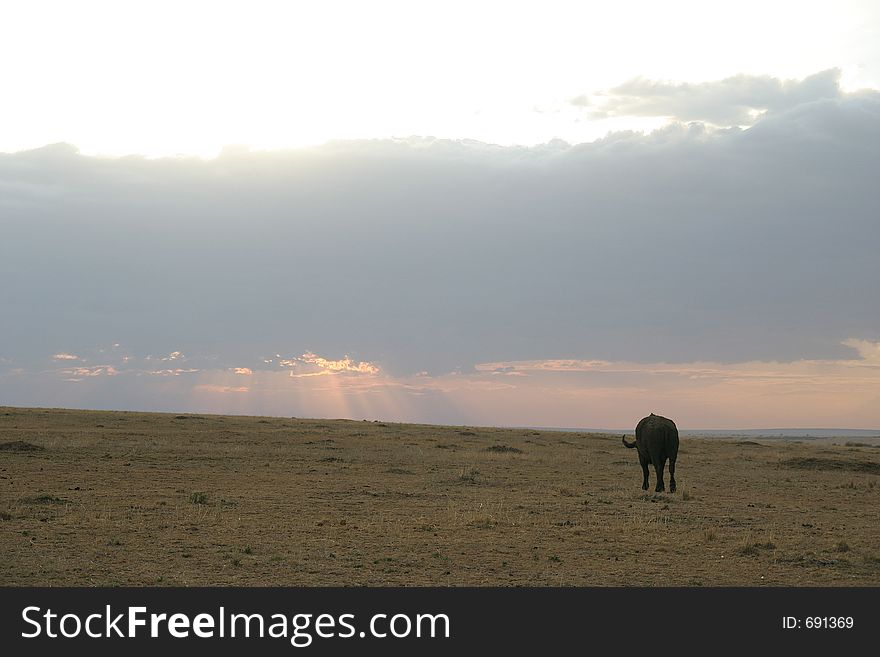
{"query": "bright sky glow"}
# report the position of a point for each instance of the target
(159, 78)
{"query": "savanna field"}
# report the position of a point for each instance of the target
(115, 499)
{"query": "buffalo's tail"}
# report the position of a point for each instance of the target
(630, 445)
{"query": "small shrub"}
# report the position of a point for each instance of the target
(748, 551)
(842, 546)
(198, 497)
(751, 548)
(482, 524)
(20, 446)
(469, 475)
(47, 499)
(504, 449)
(709, 533)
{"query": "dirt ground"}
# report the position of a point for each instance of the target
(110, 498)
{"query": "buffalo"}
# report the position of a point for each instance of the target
(656, 440)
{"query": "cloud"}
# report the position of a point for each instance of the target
(346, 364)
(738, 100)
(685, 245)
(310, 364)
(77, 373)
(177, 371)
(223, 390)
(867, 350)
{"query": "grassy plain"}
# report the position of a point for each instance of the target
(112, 498)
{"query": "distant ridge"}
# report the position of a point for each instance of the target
(787, 433)
(750, 433)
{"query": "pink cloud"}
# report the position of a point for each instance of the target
(99, 370)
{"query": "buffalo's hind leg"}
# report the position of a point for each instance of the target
(644, 463)
(671, 475)
(659, 466)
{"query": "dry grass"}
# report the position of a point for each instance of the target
(141, 499)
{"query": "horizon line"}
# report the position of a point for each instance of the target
(767, 431)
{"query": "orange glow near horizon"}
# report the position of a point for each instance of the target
(843, 393)
(600, 394)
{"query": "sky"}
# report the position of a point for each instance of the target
(517, 214)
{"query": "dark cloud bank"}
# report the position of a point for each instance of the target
(423, 254)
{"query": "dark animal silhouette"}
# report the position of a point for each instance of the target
(656, 440)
